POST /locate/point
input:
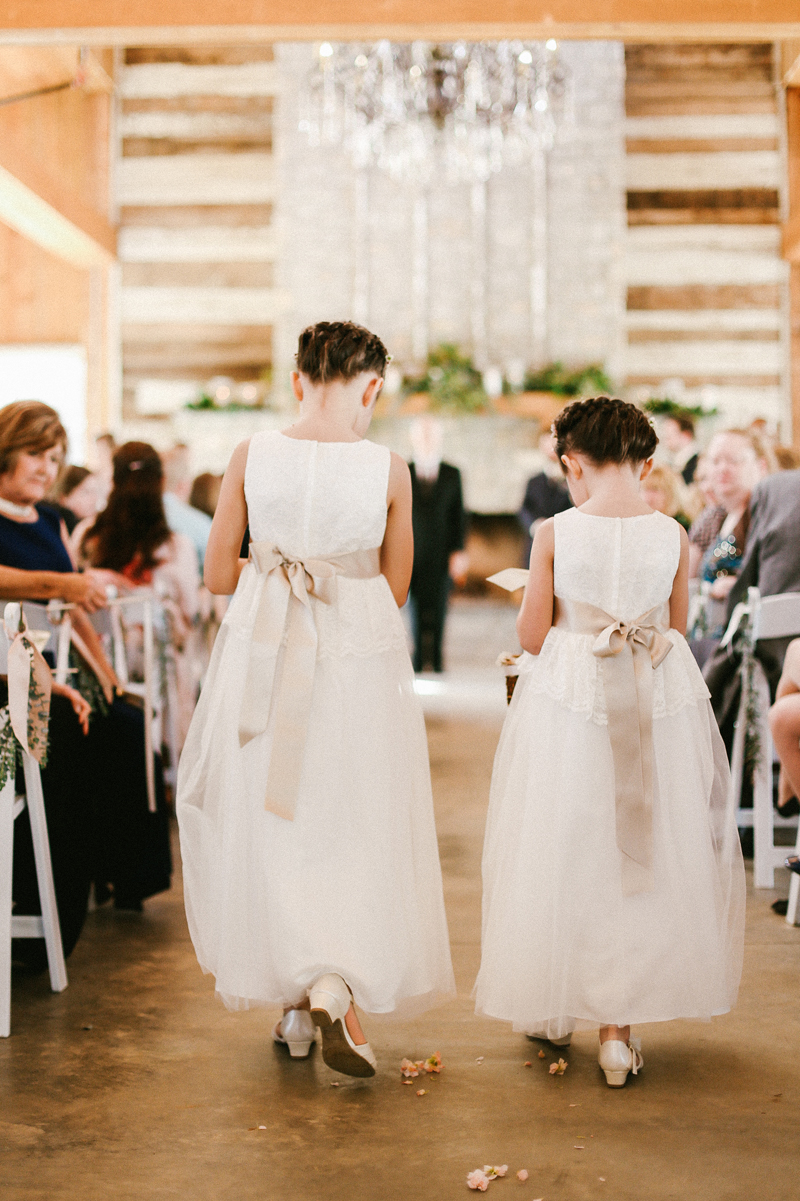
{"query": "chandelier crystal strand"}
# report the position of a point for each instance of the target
(470, 108)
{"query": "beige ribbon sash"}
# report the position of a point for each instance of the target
(28, 709)
(628, 652)
(285, 615)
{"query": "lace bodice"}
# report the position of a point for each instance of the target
(316, 499)
(625, 566)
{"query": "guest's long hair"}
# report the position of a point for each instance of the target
(132, 527)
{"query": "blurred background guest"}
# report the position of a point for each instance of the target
(545, 494)
(182, 517)
(205, 492)
(104, 447)
(705, 526)
(76, 495)
(94, 784)
(131, 536)
(678, 438)
(664, 491)
(440, 528)
(737, 461)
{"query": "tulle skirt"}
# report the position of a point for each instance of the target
(353, 884)
(563, 948)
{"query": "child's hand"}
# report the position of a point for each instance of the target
(81, 707)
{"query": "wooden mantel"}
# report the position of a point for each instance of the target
(107, 22)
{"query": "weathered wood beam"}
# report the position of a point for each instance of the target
(39, 206)
(118, 22)
(790, 63)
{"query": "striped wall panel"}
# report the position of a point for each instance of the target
(706, 283)
(195, 185)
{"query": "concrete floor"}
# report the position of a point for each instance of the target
(135, 1083)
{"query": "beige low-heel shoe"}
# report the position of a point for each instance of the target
(296, 1031)
(617, 1059)
(330, 999)
(539, 1037)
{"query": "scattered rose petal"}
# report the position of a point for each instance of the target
(541, 1054)
(421, 1092)
(479, 1059)
(602, 1179)
(262, 1127)
(522, 1175)
(334, 1084)
(559, 1067)
(501, 1171)
(573, 1104)
(433, 1063)
(408, 1068)
(528, 1063)
(578, 1147)
(478, 1180)
(406, 1081)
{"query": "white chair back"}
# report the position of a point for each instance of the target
(777, 616)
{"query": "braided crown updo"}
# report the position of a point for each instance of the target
(333, 350)
(606, 431)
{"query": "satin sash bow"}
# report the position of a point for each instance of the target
(285, 616)
(628, 653)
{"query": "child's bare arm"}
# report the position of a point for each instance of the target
(397, 551)
(790, 676)
(536, 614)
(679, 599)
(222, 563)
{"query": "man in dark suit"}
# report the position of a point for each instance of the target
(440, 530)
(545, 495)
(677, 434)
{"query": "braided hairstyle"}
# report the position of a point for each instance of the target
(333, 350)
(605, 430)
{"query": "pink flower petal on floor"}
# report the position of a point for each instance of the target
(522, 1174)
(553, 1069)
(541, 1054)
(528, 1064)
(478, 1180)
(421, 1092)
(501, 1171)
(408, 1068)
(433, 1063)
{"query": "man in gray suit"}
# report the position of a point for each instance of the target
(771, 560)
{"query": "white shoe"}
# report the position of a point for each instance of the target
(617, 1059)
(541, 1037)
(296, 1031)
(330, 1000)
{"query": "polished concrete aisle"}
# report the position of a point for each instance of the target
(135, 1083)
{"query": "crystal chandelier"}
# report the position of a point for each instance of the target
(463, 109)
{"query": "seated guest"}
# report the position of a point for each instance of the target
(784, 720)
(182, 518)
(705, 526)
(94, 785)
(677, 436)
(787, 457)
(662, 489)
(545, 494)
(131, 536)
(76, 495)
(737, 462)
(205, 492)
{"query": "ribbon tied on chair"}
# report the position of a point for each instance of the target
(29, 686)
(628, 652)
(283, 693)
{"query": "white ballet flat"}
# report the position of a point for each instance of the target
(617, 1059)
(330, 1000)
(296, 1031)
(541, 1037)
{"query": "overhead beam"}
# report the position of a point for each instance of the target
(117, 22)
(39, 207)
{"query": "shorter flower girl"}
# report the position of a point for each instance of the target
(613, 877)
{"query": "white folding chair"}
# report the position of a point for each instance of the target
(769, 617)
(137, 608)
(46, 926)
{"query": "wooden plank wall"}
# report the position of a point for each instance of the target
(42, 298)
(706, 284)
(196, 187)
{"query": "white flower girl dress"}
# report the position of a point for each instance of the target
(570, 939)
(309, 711)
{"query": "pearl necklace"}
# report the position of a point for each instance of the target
(23, 512)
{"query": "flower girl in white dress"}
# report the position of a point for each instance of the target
(310, 862)
(613, 876)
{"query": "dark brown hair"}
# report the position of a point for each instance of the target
(683, 419)
(205, 492)
(132, 526)
(333, 350)
(28, 425)
(71, 478)
(606, 431)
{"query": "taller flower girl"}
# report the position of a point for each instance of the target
(309, 851)
(613, 876)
